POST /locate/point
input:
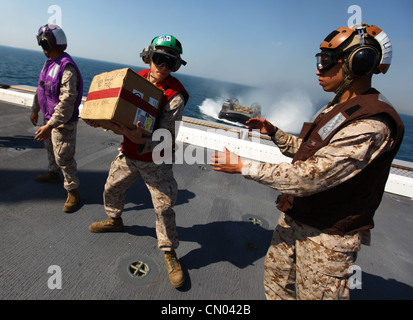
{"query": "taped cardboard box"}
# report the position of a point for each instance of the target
(124, 96)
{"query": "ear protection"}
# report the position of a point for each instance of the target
(145, 54)
(43, 38)
(45, 44)
(363, 61)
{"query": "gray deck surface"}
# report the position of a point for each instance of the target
(221, 251)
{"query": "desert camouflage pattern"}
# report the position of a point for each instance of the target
(306, 264)
(349, 151)
(158, 178)
(302, 262)
(61, 147)
(163, 189)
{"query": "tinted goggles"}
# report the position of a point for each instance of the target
(326, 60)
(170, 61)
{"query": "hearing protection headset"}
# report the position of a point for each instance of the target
(362, 61)
(364, 50)
(146, 53)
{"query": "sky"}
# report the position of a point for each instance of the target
(270, 44)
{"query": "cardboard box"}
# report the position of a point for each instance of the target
(124, 96)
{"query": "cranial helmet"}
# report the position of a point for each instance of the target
(51, 36)
(164, 49)
(364, 49)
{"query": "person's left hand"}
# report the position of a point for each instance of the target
(91, 123)
(43, 133)
(226, 162)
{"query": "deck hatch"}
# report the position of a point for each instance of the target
(255, 221)
(139, 269)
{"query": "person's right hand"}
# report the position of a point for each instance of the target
(34, 117)
(263, 125)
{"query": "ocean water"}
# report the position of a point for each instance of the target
(287, 110)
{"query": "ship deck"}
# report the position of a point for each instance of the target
(221, 250)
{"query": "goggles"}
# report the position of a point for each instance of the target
(326, 60)
(170, 61)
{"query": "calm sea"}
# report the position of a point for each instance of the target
(20, 66)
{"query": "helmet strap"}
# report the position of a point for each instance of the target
(349, 78)
(341, 89)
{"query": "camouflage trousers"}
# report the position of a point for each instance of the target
(61, 148)
(163, 189)
(303, 263)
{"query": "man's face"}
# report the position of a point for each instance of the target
(331, 79)
(159, 73)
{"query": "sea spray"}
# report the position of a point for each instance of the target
(290, 111)
(211, 107)
(287, 110)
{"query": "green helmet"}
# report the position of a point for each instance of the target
(168, 41)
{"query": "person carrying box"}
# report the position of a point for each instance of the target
(135, 158)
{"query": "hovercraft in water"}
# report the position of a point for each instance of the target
(232, 111)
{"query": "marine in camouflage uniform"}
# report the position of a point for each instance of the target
(340, 160)
(320, 260)
(136, 158)
(158, 178)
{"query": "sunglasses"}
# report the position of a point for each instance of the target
(326, 60)
(170, 61)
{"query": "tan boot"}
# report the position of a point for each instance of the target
(109, 225)
(176, 276)
(72, 201)
(50, 177)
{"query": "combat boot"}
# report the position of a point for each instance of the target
(109, 225)
(50, 177)
(176, 276)
(72, 201)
